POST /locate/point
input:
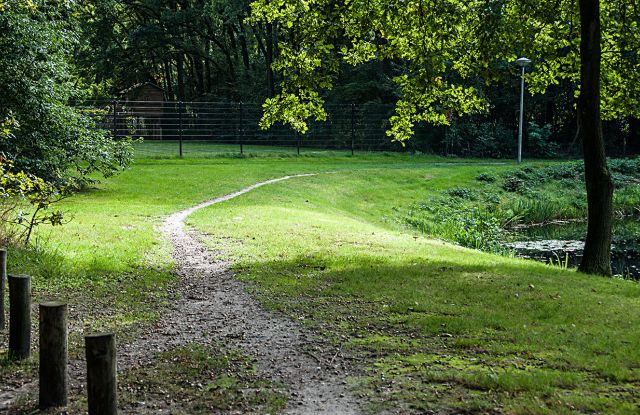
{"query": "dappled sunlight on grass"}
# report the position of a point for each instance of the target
(320, 250)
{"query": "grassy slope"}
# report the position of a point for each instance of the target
(437, 326)
(324, 251)
(108, 262)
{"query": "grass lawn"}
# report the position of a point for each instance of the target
(433, 326)
(205, 149)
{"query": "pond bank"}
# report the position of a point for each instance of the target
(498, 209)
(562, 244)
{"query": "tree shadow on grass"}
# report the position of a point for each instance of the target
(491, 331)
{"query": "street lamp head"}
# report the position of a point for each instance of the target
(523, 62)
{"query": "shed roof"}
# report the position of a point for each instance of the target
(140, 85)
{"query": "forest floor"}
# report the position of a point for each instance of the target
(320, 271)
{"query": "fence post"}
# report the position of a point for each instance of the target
(115, 119)
(19, 316)
(3, 279)
(180, 108)
(353, 125)
(54, 385)
(241, 129)
(101, 374)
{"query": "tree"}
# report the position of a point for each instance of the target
(194, 49)
(49, 137)
(597, 252)
(445, 53)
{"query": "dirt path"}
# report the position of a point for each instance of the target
(214, 306)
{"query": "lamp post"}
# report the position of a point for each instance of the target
(523, 63)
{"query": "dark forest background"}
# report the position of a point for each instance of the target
(205, 51)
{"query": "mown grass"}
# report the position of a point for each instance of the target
(110, 263)
(437, 327)
(204, 379)
(433, 326)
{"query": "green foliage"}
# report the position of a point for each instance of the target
(49, 138)
(514, 184)
(480, 139)
(446, 53)
(466, 226)
(486, 177)
(25, 201)
(461, 193)
(535, 194)
(539, 144)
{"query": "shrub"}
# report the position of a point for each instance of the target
(469, 227)
(539, 142)
(25, 202)
(486, 177)
(461, 193)
(49, 138)
(513, 184)
(480, 139)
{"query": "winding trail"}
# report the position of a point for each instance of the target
(214, 305)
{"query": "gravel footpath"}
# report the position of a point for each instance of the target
(213, 306)
(216, 306)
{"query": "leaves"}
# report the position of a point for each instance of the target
(444, 52)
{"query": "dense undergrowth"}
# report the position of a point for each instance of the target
(480, 214)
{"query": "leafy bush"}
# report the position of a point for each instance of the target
(539, 143)
(25, 202)
(570, 171)
(629, 166)
(49, 138)
(461, 193)
(467, 226)
(481, 139)
(513, 184)
(486, 177)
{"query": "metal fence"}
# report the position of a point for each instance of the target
(199, 128)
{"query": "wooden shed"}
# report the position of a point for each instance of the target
(143, 106)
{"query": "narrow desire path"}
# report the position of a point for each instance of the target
(214, 306)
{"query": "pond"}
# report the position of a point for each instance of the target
(560, 243)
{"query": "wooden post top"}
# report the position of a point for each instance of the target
(98, 335)
(53, 304)
(20, 276)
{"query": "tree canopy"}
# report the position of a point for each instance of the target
(46, 136)
(445, 53)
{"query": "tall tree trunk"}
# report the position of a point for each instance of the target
(168, 83)
(243, 44)
(269, 60)
(597, 250)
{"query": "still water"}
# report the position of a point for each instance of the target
(560, 242)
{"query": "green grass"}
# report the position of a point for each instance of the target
(325, 250)
(432, 326)
(203, 379)
(204, 149)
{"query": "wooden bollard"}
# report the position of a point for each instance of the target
(54, 385)
(101, 374)
(19, 316)
(3, 282)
